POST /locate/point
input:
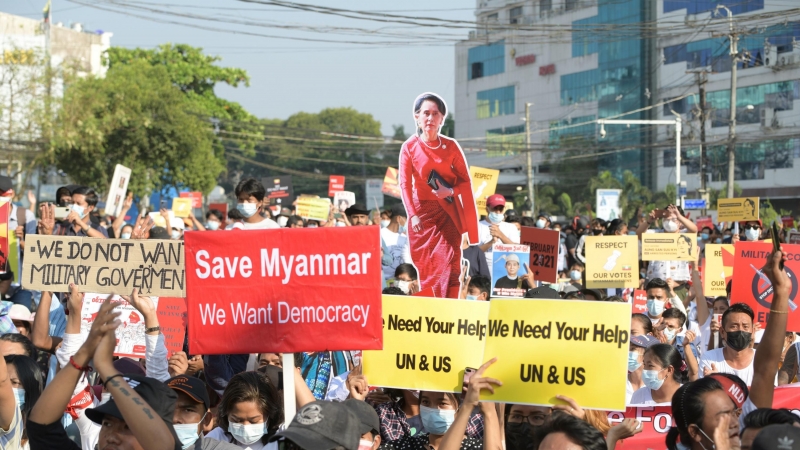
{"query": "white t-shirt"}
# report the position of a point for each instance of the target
(484, 235)
(717, 357)
(395, 243)
(265, 224)
(644, 396)
(628, 392)
(219, 434)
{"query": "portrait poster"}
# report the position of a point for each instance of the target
(117, 190)
(669, 247)
(344, 200)
(737, 209)
(508, 270)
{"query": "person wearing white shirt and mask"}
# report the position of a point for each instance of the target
(659, 293)
(250, 195)
(494, 229)
(192, 411)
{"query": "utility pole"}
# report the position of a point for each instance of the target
(701, 81)
(733, 38)
(528, 155)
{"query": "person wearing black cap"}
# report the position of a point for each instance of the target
(321, 425)
(370, 423)
(357, 214)
(192, 412)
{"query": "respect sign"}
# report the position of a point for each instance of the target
(280, 290)
(718, 269)
(737, 209)
(669, 247)
(104, 266)
(543, 259)
(484, 184)
(546, 348)
(612, 261)
(427, 343)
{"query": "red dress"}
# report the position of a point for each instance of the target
(436, 248)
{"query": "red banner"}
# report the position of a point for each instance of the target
(704, 222)
(284, 290)
(335, 184)
(751, 286)
(544, 252)
(197, 198)
(172, 320)
(640, 301)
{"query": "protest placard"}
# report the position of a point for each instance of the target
(181, 207)
(14, 260)
(546, 348)
(374, 193)
(427, 343)
(484, 184)
(335, 184)
(793, 237)
(543, 246)
(344, 200)
(669, 247)
(718, 270)
(639, 301)
(5, 210)
(612, 261)
(391, 186)
(130, 334)
(737, 209)
(279, 190)
(508, 271)
(313, 208)
(196, 196)
(788, 222)
(276, 290)
(704, 222)
(172, 320)
(105, 266)
(117, 190)
(159, 220)
(221, 207)
(754, 288)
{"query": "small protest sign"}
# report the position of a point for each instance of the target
(427, 343)
(508, 271)
(221, 207)
(274, 291)
(344, 200)
(279, 190)
(484, 184)
(159, 220)
(669, 247)
(196, 196)
(130, 334)
(543, 246)
(313, 208)
(546, 348)
(5, 256)
(737, 209)
(612, 261)
(104, 266)
(391, 186)
(335, 184)
(754, 288)
(793, 237)
(704, 222)
(172, 320)
(374, 193)
(181, 207)
(639, 301)
(117, 190)
(14, 260)
(718, 269)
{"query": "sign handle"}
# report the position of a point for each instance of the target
(289, 396)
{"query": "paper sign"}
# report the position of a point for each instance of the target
(608, 203)
(544, 252)
(737, 209)
(374, 193)
(5, 210)
(669, 247)
(335, 184)
(508, 271)
(704, 222)
(484, 184)
(104, 266)
(718, 269)
(117, 190)
(391, 185)
(271, 290)
(793, 237)
(197, 198)
(751, 286)
(172, 320)
(313, 208)
(159, 221)
(14, 261)
(344, 200)
(546, 348)
(639, 301)
(279, 190)
(612, 262)
(427, 343)
(130, 335)
(787, 221)
(181, 207)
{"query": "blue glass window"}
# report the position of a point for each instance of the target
(496, 102)
(701, 6)
(486, 60)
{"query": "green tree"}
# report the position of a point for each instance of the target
(399, 133)
(449, 126)
(715, 194)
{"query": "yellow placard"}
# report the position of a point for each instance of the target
(546, 348)
(427, 343)
(718, 269)
(737, 209)
(669, 247)
(313, 208)
(612, 262)
(13, 256)
(181, 207)
(484, 184)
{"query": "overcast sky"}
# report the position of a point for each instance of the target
(287, 75)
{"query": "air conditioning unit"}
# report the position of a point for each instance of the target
(768, 117)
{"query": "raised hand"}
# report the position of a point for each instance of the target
(478, 383)
(47, 221)
(572, 407)
(142, 228)
(357, 384)
(142, 303)
(178, 364)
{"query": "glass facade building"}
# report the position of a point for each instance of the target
(496, 102)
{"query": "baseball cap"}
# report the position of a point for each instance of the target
(6, 183)
(357, 208)
(191, 386)
(7, 275)
(366, 415)
(543, 292)
(322, 425)
(177, 223)
(777, 437)
(495, 200)
(399, 210)
(160, 398)
(644, 341)
(20, 312)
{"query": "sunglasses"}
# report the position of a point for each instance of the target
(752, 227)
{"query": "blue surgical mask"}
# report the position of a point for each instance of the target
(247, 434)
(125, 236)
(704, 236)
(575, 275)
(384, 223)
(633, 361)
(541, 223)
(19, 394)
(437, 421)
(311, 225)
(631, 233)
(496, 217)
(669, 334)
(79, 210)
(655, 307)
(176, 234)
(650, 379)
(212, 226)
(718, 241)
(401, 229)
(472, 297)
(187, 433)
(563, 240)
(247, 209)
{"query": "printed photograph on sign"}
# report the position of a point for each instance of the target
(669, 247)
(130, 335)
(544, 246)
(344, 200)
(738, 209)
(436, 188)
(508, 270)
(612, 262)
(608, 204)
(117, 190)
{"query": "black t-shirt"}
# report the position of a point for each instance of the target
(46, 437)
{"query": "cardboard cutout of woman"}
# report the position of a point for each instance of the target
(437, 193)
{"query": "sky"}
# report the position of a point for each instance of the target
(287, 75)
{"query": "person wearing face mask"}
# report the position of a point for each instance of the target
(214, 220)
(576, 275)
(542, 221)
(250, 195)
(673, 221)
(283, 217)
(249, 413)
(370, 423)
(177, 228)
(406, 276)
(479, 288)
(322, 425)
(494, 229)
(664, 372)
(736, 357)
(192, 412)
(752, 230)
(636, 349)
(659, 293)
(521, 422)
(20, 388)
(394, 239)
(78, 222)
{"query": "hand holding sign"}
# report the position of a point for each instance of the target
(478, 383)
(572, 407)
(74, 300)
(774, 270)
(142, 303)
(105, 324)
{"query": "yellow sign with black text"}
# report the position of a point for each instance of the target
(612, 262)
(737, 209)
(669, 247)
(546, 348)
(718, 269)
(427, 343)
(313, 208)
(484, 184)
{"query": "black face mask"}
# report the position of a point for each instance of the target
(738, 340)
(597, 232)
(519, 436)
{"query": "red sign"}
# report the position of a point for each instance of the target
(788, 221)
(5, 211)
(704, 222)
(524, 60)
(544, 252)
(197, 198)
(172, 320)
(281, 290)
(335, 184)
(751, 286)
(391, 186)
(221, 207)
(547, 70)
(640, 301)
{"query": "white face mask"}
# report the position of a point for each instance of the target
(282, 220)
(670, 226)
(176, 234)
(247, 434)
(187, 433)
(214, 225)
(364, 444)
(403, 285)
(384, 223)
(752, 235)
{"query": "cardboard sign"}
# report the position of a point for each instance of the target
(343, 200)
(335, 184)
(105, 266)
(272, 290)
(117, 190)
(196, 196)
(737, 209)
(391, 185)
(718, 270)
(172, 320)
(612, 262)
(374, 193)
(639, 301)
(130, 335)
(508, 271)
(181, 207)
(5, 210)
(221, 207)
(279, 190)
(754, 288)
(313, 208)
(427, 343)
(546, 348)
(484, 184)
(544, 252)
(669, 247)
